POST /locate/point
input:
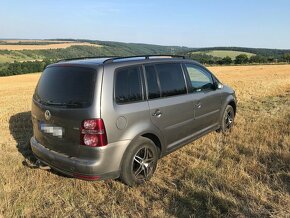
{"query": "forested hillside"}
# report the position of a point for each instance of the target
(27, 61)
(253, 56)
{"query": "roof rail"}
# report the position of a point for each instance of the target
(112, 59)
(80, 58)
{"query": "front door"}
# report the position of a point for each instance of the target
(206, 96)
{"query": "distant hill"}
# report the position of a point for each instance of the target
(26, 56)
(21, 50)
(237, 55)
(275, 53)
(80, 48)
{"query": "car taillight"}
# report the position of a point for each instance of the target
(93, 133)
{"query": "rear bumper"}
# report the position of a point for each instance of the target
(107, 165)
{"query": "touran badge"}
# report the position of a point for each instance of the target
(47, 115)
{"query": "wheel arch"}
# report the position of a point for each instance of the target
(228, 100)
(154, 137)
(234, 105)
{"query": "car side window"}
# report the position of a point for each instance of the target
(152, 82)
(171, 78)
(128, 85)
(199, 78)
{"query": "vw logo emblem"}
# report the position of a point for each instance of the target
(47, 115)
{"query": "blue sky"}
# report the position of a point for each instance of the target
(196, 23)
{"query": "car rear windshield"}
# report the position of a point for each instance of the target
(66, 86)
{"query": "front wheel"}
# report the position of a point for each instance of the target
(140, 162)
(228, 120)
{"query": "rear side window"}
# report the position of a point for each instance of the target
(128, 86)
(171, 79)
(66, 86)
(152, 82)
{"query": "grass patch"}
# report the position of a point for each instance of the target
(245, 174)
(224, 53)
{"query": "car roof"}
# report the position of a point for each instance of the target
(95, 62)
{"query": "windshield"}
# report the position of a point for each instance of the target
(66, 86)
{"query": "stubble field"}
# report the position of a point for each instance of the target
(245, 174)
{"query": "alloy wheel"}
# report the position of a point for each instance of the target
(229, 119)
(143, 164)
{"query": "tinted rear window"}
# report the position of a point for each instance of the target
(128, 86)
(66, 86)
(171, 79)
(152, 83)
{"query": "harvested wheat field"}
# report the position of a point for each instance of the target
(45, 47)
(33, 40)
(245, 174)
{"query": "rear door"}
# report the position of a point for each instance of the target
(206, 97)
(171, 108)
(62, 100)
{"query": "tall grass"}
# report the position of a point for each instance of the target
(245, 174)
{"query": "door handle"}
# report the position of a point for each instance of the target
(157, 113)
(198, 105)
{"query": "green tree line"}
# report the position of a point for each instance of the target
(240, 59)
(16, 67)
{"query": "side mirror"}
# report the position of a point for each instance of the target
(218, 85)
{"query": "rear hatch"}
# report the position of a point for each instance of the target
(63, 98)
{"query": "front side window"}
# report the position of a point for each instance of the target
(171, 79)
(128, 86)
(199, 78)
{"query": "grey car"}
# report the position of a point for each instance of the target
(98, 118)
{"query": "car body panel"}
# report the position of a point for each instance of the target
(177, 118)
(207, 108)
(183, 119)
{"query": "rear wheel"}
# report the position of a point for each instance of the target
(228, 120)
(140, 162)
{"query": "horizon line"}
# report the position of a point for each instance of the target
(184, 46)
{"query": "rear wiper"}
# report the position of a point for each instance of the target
(54, 103)
(74, 104)
(66, 104)
(62, 104)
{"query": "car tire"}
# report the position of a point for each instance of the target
(140, 162)
(227, 120)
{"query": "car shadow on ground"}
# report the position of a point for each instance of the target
(20, 126)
